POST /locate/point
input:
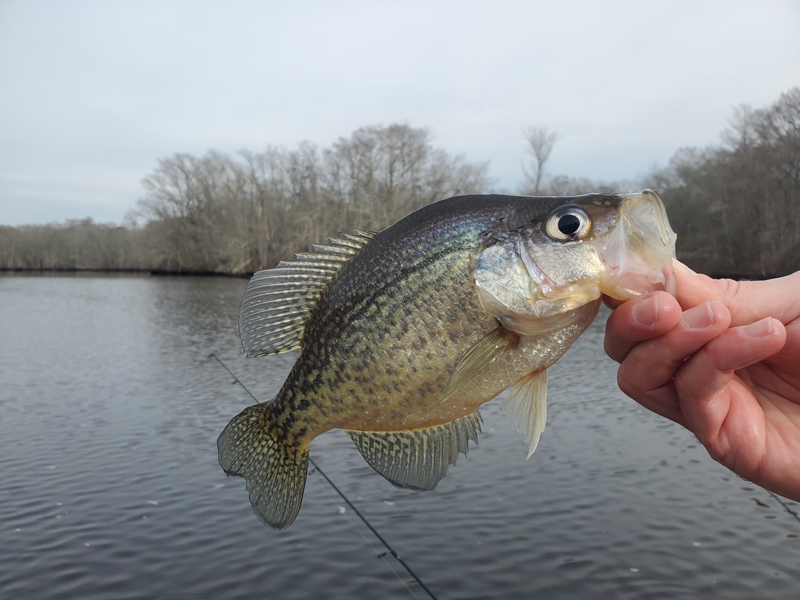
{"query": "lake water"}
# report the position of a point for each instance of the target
(110, 407)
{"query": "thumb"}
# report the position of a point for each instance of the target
(747, 301)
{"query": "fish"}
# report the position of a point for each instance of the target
(404, 333)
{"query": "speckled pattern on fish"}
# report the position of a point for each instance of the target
(406, 332)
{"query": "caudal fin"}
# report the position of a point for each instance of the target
(252, 446)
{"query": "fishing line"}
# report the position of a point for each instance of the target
(784, 505)
(338, 491)
(371, 545)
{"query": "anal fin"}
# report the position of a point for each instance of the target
(526, 406)
(417, 459)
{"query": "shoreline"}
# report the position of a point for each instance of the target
(152, 272)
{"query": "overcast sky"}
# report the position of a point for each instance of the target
(92, 94)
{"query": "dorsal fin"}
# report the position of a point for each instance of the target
(278, 301)
(417, 459)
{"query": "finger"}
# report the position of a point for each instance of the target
(720, 409)
(652, 364)
(662, 401)
(787, 361)
(748, 301)
(638, 320)
(611, 303)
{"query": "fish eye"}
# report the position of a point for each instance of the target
(568, 224)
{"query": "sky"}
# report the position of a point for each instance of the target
(93, 93)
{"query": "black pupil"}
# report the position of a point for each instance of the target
(568, 224)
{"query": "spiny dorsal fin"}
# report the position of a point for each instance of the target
(277, 301)
(418, 459)
(477, 358)
(526, 406)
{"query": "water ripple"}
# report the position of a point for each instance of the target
(111, 488)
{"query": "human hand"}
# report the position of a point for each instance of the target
(723, 360)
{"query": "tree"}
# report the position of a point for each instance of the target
(736, 207)
(540, 144)
(240, 214)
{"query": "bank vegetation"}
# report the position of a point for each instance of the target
(735, 205)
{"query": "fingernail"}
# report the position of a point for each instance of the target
(698, 317)
(759, 328)
(646, 312)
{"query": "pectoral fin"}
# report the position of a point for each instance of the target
(481, 355)
(526, 406)
(420, 458)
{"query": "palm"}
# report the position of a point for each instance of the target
(760, 438)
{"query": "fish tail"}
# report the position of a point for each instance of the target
(254, 447)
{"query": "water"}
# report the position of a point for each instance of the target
(110, 407)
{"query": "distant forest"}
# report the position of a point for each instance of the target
(735, 206)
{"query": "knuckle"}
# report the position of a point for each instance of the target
(685, 386)
(715, 450)
(688, 385)
(612, 349)
(682, 387)
(626, 381)
(731, 290)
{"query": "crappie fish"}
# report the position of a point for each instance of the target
(406, 332)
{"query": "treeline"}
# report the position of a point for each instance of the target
(736, 207)
(234, 215)
(74, 245)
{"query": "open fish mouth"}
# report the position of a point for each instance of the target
(638, 251)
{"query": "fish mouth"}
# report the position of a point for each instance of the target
(638, 251)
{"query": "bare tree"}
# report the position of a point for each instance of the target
(736, 208)
(540, 144)
(240, 214)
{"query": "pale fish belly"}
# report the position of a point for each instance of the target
(417, 405)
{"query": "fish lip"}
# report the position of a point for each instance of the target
(637, 251)
(667, 282)
(656, 203)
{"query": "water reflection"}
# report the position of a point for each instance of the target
(110, 412)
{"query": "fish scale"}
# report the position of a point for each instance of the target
(374, 357)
